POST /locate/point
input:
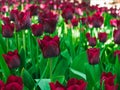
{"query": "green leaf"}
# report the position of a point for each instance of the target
(65, 54)
(61, 71)
(3, 65)
(90, 76)
(58, 78)
(27, 79)
(43, 84)
(22, 58)
(78, 73)
(78, 64)
(3, 44)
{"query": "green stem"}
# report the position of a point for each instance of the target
(24, 45)
(43, 74)
(7, 44)
(50, 68)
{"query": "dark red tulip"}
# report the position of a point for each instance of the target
(74, 22)
(49, 46)
(56, 86)
(14, 83)
(88, 35)
(67, 13)
(6, 20)
(75, 84)
(92, 41)
(37, 29)
(116, 36)
(7, 30)
(113, 12)
(117, 53)
(96, 20)
(84, 20)
(34, 9)
(13, 14)
(102, 36)
(93, 55)
(108, 86)
(12, 59)
(108, 79)
(49, 21)
(2, 85)
(22, 21)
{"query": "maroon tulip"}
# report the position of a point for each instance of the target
(84, 20)
(22, 21)
(96, 20)
(117, 53)
(74, 22)
(56, 86)
(116, 36)
(37, 29)
(102, 36)
(7, 30)
(12, 59)
(88, 35)
(113, 12)
(111, 87)
(6, 20)
(67, 13)
(13, 13)
(92, 41)
(1, 85)
(108, 79)
(49, 46)
(49, 21)
(93, 55)
(74, 84)
(14, 83)
(34, 9)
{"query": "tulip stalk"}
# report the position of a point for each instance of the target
(50, 60)
(7, 41)
(24, 45)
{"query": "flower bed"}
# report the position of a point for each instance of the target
(59, 45)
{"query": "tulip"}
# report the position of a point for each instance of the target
(75, 84)
(92, 41)
(56, 86)
(37, 29)
(6, 20)
(12, 59)
(33, 10)
(93, 55)
(116, 36)
(108, 79)
(13, 13)
(117, 52)
(7, 30)
(49, 21)
(14, 82)
(74, 22)
(88, 35)
(102, 36)
(49, 46)
(22, 21)
(1, 85)
(96, 20)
